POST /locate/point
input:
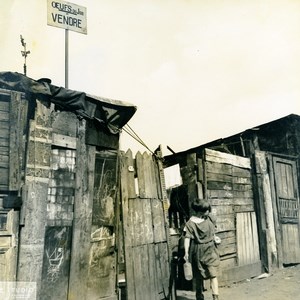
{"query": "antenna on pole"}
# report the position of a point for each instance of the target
(24, 53)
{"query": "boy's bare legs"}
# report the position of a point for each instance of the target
(214, 285)
(198, 284)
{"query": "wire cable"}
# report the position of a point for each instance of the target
(135, 136)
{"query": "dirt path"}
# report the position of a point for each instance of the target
(283, 284)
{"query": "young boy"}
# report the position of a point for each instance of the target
(200, 248)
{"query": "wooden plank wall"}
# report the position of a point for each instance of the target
(13, 124)
(84, 181)
(229, 190)
(9, 235)
(4, 140)
(18, 127)
(67, 223)
(35, 198)
(145, 239)
(6, 235)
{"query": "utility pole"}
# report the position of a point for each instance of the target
(24, 53)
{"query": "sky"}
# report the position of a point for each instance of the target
(197, 70)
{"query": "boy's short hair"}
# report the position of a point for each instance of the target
(201, 205)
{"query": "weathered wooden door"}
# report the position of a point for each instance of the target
(144, 229)
(287, 200)
(102, 269)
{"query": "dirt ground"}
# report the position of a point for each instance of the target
(283, 284)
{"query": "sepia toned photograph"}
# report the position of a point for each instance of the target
(149, 150)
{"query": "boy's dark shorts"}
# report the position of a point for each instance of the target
(208, 271)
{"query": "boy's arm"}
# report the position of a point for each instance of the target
(186, 248)
(213, 219)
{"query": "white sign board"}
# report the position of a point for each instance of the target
(66, 15)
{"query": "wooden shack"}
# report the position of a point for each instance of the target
(59, 188)
(252, 182)
(79, 219)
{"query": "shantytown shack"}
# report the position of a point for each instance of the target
(79, 219)
(252, 182)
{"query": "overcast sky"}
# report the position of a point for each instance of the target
(196, 70)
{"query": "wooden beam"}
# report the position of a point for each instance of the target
(221, 157)
(81, 239)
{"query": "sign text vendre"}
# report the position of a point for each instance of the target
(67, 15)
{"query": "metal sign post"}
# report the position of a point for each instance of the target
(66, 58)
(68, 16)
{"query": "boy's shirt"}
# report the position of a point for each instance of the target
(201, 230)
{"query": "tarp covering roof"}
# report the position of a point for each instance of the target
(112, 114)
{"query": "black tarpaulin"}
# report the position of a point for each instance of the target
(112, 114)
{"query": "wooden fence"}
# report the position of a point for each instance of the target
(145, 228)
